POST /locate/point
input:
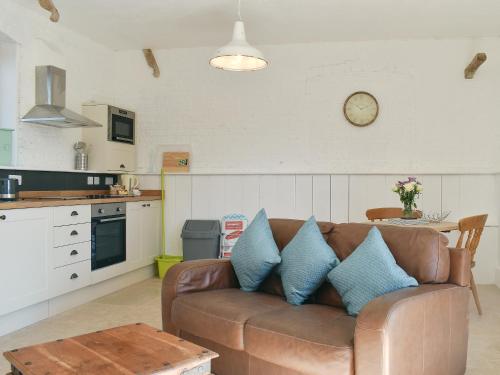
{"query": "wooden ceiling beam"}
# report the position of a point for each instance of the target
(150, 59)
(49, 5)
(474, 65)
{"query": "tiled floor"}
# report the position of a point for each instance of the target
(141, 303)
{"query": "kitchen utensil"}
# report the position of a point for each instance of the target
(81, 157)
(8, 189)
(130, 182)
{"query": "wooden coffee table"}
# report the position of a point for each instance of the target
(131, 349)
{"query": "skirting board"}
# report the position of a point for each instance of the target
(35, 313)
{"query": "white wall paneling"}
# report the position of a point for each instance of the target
(207, 198)
(178, 194)
(277, 195)
(321, 196)
(304, 196)
(337, 198)
(430, 200)
(467, 195)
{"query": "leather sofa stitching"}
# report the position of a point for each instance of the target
(299, 338)
(219, 317)
(210, 314)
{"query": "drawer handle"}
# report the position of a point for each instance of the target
(73, 276)
(3, 217)
(73, 233)
(73, 252)
(122, 166)
(149, 205)
(144, 205)
(74, 213)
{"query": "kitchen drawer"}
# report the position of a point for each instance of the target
(64, 255)
(68, 278)
(144, 204)
(71, 234)
(67, 215)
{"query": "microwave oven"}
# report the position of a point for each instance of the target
(121, 125)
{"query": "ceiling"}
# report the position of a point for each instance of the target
(133, 24)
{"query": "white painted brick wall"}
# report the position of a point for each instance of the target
(289, 117)
(89, 74)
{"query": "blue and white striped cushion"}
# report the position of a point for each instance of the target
(305, 262)
(255, 253)
(369, 272)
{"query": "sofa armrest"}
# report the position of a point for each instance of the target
(422, 330)
(460, 264)
(194, 276)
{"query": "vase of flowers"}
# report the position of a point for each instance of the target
(408, 191)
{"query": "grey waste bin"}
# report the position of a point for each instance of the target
(201, 239)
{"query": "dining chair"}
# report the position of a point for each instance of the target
(388, 213)
(471, 229)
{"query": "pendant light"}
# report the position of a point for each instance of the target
(238, 55)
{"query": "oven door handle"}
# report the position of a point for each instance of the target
(124, 139)
(111, 219)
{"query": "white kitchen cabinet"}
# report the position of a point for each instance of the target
(64, 255)
(151, 231)
(120, 157)
(71, 234)
(143, 233)
(68, 215)
(133, 234)
(26, 237)
(68, 278)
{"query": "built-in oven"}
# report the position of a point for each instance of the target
(121, 125)
(108, 234)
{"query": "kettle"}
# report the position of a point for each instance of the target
(130, 182)
(8, 189)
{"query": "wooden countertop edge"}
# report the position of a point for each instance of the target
(40, 203)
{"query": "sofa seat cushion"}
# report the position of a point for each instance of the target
(220, 315)
(310, 339)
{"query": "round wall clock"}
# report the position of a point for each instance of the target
(361, 108)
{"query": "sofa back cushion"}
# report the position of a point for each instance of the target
(283, 232)
(421, 252)
(285, 229)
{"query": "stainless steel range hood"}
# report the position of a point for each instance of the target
(50, 100)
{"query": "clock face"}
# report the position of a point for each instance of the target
(361, 108)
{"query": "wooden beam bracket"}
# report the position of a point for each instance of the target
(49, 5)
(150, 59)
(474, 65)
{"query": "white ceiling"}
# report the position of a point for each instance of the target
(133, 24)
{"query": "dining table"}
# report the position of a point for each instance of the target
(443, 226)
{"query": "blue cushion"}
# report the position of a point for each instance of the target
(305, 262)
(255, 253)
(369, 272)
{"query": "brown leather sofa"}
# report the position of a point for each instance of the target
(421, 330)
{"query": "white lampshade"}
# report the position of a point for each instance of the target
(238, 55)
